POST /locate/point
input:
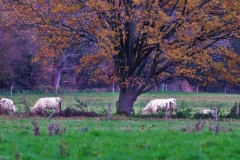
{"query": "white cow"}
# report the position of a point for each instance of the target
(7, 104)
(159, 104)
(206, 111)
(47, 103)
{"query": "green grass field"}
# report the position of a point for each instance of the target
(123, 138)
(120, 138)
(100, 101)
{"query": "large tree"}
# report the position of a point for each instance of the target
(160, 40)
(143, 41)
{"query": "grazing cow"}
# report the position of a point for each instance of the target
(47, 103)
(8, 105)
(159, 104)
(206, 111)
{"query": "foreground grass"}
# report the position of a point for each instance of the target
(119, 138)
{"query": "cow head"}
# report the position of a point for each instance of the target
(15, 109)
(146, 111)
(33, 110)
(173, 103)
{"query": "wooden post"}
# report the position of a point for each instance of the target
(56, 89)
(109, 110)
(113, 88)
(117, 106)
(214, 108)
(171, 109)
(238, 109)
(197, 88)
(235, 109)
(166, 112)
(60, 107)
(162, 87)
(11, 89)
(217, 129)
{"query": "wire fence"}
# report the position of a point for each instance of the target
(114, 88)
(196, 89)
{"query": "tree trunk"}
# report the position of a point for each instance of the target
(56, 78)
(124, 105)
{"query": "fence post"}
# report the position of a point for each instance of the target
(109, 110)
(166, 112)
(171, 109)
(197, 88)
(162, 87)
(11, 89)
(60, 107)
(235, 109)
(214, 108)
(238, 109)
(113, 88)
(56, 89)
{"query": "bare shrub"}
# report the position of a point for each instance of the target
(70, 112)
(234, 111)
(35, 128)
(56, 128)
(199, 126)
(50, 129)
(217, 128)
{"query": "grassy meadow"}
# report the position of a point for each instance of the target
(99, 101)
(123, 138)
(119, 138)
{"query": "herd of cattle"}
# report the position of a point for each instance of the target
(54, 103)
(40, 106)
